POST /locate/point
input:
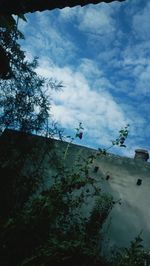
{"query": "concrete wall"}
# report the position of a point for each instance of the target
(131, 214)
(116, 175)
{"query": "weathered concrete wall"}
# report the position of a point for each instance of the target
(131, 215)
(116, 175)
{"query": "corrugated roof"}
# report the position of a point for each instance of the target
(24, 6)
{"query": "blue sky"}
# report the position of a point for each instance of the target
(101, 53)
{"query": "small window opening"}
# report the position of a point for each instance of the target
(139, 182)
(107, 177)
(96, 169)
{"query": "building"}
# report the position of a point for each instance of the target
(126, 179)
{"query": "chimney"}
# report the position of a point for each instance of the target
(141, 154)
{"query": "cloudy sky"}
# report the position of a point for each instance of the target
(101, 53)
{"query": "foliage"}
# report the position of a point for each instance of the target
(70, 238)
(10, 52)
(47, 227)
(120, 140)
(123, 134)
(51, 228)
(24, 103)
(25, 100)
(79, 134)
(135, 255)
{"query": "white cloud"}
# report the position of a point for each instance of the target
(136, 64)
(97, 19)
(103, 61)
(90, 68)
(68, 14)
(44, 38)
(94, 74)
(98, 111)
(94, 21)
(55, 41)
(141, 23)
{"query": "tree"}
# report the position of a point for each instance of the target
(8, 23)
(49, 228)
(47, 225)
(24, 102)
(11, 56)
(24, 6)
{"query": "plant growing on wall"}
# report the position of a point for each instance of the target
(119, 141)
(56, 226)
(52, 227)
(135, 255)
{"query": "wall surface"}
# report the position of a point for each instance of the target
(116, 175)
(130, 216)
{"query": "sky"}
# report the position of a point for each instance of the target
(101, 54)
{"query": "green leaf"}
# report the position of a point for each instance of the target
(22, 16)
(7, 22)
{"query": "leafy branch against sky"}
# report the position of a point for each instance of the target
(102, 55)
